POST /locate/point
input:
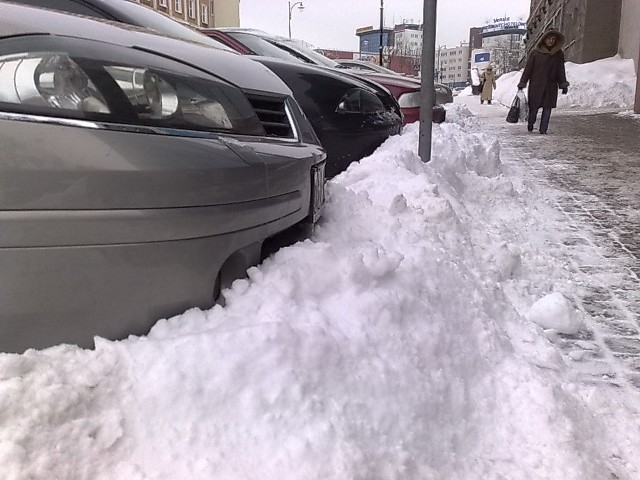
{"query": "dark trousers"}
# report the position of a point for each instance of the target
(544, 120)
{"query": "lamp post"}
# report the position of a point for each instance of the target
(291, 7)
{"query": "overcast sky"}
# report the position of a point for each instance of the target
(332, 23)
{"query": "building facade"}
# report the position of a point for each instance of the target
(369, 41)
(337, 54)
(629, 41)
(629, 37)
(452, 65)
(199, 13)
(591, 27)
(405, 48)
(407, 40)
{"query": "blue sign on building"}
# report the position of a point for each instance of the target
(482, 57)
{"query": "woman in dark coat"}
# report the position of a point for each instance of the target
(545, 74)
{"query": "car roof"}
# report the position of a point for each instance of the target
(16, 20)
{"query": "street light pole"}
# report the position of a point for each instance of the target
(291, 7)
(427, 92)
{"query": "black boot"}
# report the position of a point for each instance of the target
(489, 102)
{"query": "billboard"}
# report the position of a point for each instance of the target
(364, 29)
(481, 57)
(503, 23)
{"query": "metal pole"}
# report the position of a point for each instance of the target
(381, 29)
(289, 19)
(427, 95)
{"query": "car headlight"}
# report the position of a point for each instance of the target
(357, 100)
(409, 100)
(89, 80)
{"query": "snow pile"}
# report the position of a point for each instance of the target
(460, 114)
(557, 312)
(606, 83)
(630, 114)
(386, 348)
(466, 92)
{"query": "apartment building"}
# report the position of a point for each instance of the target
(452, 65)
(407, 40)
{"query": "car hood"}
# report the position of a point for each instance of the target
(16, 20)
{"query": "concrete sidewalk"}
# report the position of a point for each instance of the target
(593, 161)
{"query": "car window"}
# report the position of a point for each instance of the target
(68, 6)
(261, 47)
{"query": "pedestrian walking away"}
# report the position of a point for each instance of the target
(545, 74)
(488, 79)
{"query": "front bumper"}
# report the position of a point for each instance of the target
(103, 233)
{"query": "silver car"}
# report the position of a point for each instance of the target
(138, 175)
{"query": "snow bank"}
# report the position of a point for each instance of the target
(606, 83)
(383, 349)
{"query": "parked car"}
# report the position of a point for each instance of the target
(351, 116)
(443, 93)
(405, 89)
(138, 176)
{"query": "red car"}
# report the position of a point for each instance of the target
(254, 42)
(407, 91)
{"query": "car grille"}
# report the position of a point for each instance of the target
(273, 116)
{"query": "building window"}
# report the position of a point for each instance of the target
(177, 6)
(162, 3)
(192, 8)
(204, 14)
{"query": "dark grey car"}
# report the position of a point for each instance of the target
(138, 175)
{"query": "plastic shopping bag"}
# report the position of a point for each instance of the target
(524, 106)
(519, 109)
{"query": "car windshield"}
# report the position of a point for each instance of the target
(148, 18)
(261, 47)
(308, 54)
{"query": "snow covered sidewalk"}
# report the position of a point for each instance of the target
(419, 335)
(590, 162)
